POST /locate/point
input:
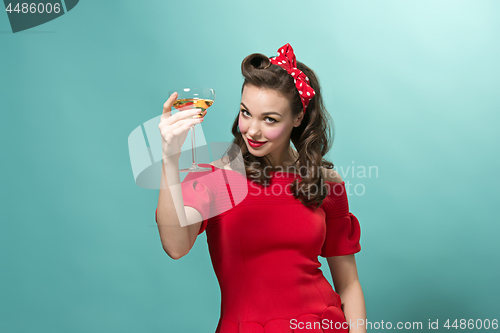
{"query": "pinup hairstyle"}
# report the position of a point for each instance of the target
(311, 139)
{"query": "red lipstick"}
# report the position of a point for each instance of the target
(255, 144)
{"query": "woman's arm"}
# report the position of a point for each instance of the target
(171, 214)
(176, 240)
(346, 283)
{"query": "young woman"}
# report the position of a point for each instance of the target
(265, 246)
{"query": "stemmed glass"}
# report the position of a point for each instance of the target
(194, 98)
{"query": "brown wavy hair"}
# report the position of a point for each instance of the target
(311, 139)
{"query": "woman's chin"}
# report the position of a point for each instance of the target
(255, 152)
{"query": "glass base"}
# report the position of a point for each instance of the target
(195, 168)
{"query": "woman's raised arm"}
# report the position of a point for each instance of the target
(178, 225)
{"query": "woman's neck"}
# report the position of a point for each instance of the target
(288, 162)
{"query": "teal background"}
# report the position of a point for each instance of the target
(411, 85)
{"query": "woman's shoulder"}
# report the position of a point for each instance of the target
(335, 203)
(331, 175)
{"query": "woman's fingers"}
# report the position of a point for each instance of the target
(186, 122)
(185, 127)
(170, 120)
(171, 131)
(167, 106)
(181, 124)
(173, 128)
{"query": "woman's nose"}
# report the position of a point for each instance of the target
(253, 130)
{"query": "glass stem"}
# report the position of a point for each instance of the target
(193, 144)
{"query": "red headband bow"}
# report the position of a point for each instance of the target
(286, 59)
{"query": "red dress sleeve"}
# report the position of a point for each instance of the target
(199, 190)
(343, 231)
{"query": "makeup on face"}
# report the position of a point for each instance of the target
(255, 144)
(270, 128)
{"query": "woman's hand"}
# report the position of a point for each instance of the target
(174, 128)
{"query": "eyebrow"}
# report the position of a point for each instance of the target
(265, 113)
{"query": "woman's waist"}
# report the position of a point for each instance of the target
(316, 319)
(278, 295)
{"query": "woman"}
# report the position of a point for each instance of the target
(265, 247)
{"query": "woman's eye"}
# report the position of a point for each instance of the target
(246, 114)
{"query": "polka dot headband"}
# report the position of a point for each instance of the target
(286, 59)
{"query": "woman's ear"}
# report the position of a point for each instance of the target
(298, 120)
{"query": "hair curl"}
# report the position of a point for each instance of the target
(311, 139)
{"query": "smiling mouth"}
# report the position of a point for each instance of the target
(256, 142)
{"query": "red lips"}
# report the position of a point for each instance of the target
(253, 141)
(255, 144)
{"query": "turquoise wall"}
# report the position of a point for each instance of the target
(411, 85)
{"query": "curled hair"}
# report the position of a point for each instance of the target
(311, 139)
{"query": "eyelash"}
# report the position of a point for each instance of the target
(273, 120)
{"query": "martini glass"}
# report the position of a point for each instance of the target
(194, 98)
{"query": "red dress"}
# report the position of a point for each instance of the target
(264, 245)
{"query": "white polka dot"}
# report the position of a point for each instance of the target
(293, 73)
(282, 51)
(300, 92)
(308, 94)
(307, 78)
(301, 84)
